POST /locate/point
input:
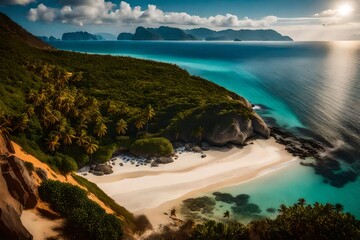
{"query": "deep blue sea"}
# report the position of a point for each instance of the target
(312, 89)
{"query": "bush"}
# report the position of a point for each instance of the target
(104, 153)
(65, 164)
(78, 154)
(123, 143)
(80, 212)
(30, 167)
(152, 147)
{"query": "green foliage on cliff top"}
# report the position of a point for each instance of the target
(80, 212)
(152, 147)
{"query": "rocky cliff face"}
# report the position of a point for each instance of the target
(237, 131)
(17, 190)
(220, 124)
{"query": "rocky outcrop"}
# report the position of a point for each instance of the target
(17, 191)
(101, 169)
(19, 182)
(11, 226)
(237, 131)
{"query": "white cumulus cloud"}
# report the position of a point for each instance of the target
(15, 2)
(83, 12)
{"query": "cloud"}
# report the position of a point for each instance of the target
(15, 2)
(85, 12)
(327, 13)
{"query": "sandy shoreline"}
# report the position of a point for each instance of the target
(153, 191)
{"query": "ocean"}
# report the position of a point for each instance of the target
(311, 89)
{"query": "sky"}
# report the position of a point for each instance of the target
(303, 20)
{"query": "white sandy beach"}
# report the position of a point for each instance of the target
(153, 191)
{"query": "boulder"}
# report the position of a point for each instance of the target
(105, 168)
(19, 183)
(164, 160)
(197, 149)
(236, 131)
(41, 173)
(154, 164)
(11, 226)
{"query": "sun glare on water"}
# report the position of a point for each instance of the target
(345, 9)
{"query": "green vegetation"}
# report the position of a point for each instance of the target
(80, 104)
(299, 222)
(79, 211)
(152, 147)
(29, 167)
(93, 188)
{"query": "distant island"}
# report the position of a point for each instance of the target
(177, 34)
(169, 33)
(80, 36)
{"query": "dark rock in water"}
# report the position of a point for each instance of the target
(271, 210)
(203, 156)
(241, 199)
(121, 164)
(41, 173)
(250, 208)
(203, 204)
(106, 169)
(224, 197)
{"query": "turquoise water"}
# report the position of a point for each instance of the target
(310, 88)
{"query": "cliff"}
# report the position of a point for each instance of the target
(10, 29)
(169, 33)
(161, 33)
(18, 191)
(242, 34)
(76, 36)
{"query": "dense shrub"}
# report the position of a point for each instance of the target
(212, 230)
(65, 164)
(104, 153)
(152, 147)
(81, 213)
(142, 224)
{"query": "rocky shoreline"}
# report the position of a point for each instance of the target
(322, 163)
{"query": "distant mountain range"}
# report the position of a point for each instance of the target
(168, 33)
(177, 34)
(243, 35)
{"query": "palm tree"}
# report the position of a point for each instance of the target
(149, 114)
(100, 129)
(91, 146)
(121, 126)
(301, 202)
(139, 122)
(52, 142)
(77, 77)
(82, 139)
(22, 122)
(339, 207)
(68, 134)
(5, 123)
(227, 215)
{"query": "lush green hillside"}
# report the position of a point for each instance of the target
(63, 105)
